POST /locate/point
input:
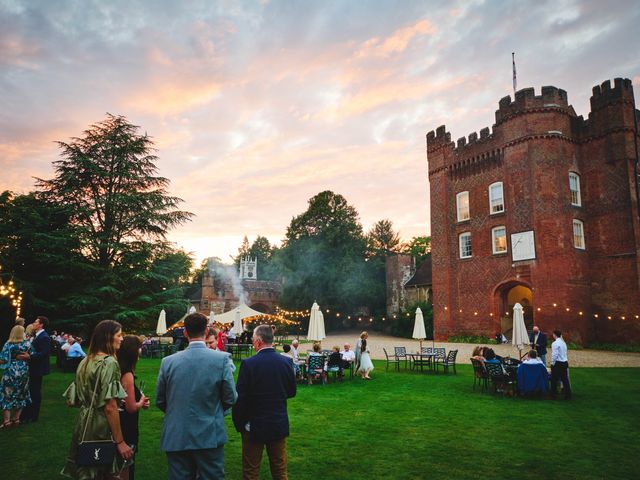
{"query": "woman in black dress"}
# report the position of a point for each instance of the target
(127, 358)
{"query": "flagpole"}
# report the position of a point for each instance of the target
(515, 83)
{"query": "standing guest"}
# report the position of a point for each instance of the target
(66, 345)
(358, 347)
(28, 333)
(287, 352)
(38, 368)
(211, 343)
(98, 392)
(14, 386)
(265, 382)
(74, 350)
(195, 386)
(539, 343)
(366, 365)
(222, 339)
(128, 356)
(20, 321)
(559, 366)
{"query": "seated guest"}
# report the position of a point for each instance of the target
(348, 356)
(295, 345)
(288, 353)
(74, 350)
(490, 356)
(319, 372)
(335, 360)
(478, 353)
(532, 357)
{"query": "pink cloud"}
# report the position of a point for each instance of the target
(397, 42)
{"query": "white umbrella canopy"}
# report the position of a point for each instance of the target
(192, 310)
(316, 324)
(419, 332)
(238, 328)
(520, 337)
(161, 328)
(230, 316)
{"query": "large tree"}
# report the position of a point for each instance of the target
(323, 258)
(382, 239)
(107, 179)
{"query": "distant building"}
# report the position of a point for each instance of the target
(542, 210)
(221, 295)
(405, 284)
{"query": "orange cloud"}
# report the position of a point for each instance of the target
(172, 98)
(397, 42)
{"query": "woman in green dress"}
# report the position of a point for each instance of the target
(14, 385)
(99, 372)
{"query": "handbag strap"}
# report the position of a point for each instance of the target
(93, 398)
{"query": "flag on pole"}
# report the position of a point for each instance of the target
(515, 83)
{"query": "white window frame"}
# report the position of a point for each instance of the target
(493, 202)
(469, 244)
(494, 237)
(578, 234)
(576, 196)
(459, 211)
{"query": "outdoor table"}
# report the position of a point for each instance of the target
(237, 349)
(421, 357)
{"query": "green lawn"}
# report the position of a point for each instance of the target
(398, 426)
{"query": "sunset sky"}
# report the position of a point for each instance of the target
(257, 106)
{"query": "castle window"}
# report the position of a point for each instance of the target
(465, 245)
(462, 203)
(578, 234)
(499, 239)
(496, 198)
(574, 187)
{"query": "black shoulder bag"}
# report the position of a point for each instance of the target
(95, 453)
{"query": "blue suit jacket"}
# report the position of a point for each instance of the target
(39, 361)
(195, 386)
(541, 346)
(265, 381)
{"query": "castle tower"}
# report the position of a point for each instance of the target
(248, 268)
(540, 210)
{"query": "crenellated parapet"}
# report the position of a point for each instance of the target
(527, 101)
(604, 95)
(438, 139)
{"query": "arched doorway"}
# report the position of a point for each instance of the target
(507, 295)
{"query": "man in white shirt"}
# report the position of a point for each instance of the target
(348, 355)
(559, 366)
(532, 358)
(67, 344)
(294, 350)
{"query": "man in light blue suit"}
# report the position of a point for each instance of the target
(195, 386)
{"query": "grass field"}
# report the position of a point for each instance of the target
(402, 425)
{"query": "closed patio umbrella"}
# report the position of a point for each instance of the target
(211, 317)
(419, 332)
(161, 328)
(316, 324)
(237, 328)
(520, 337)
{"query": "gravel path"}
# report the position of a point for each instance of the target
(577, 358)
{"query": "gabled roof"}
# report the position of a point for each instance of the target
(422, 277)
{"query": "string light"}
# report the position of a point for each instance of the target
(15, 298)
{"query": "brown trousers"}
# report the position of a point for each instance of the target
(252, 457)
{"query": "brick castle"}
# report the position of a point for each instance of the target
(541, 210)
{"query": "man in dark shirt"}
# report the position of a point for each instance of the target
(38, 368)
(265, 382)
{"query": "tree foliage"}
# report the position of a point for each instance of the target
(419, 248)
(382, 239)
(107, 181)
(324, 259)
(89, 244)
